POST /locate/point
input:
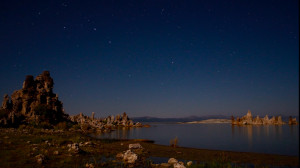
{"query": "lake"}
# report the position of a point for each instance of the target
(273, 139)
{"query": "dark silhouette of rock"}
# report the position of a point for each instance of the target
(34, 102)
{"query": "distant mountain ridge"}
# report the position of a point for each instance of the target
(181, 119)
(191, 118)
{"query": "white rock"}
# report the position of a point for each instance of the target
(130, 157)
(172, 161)
(177, 165)
(88, 143)
(74, 147)
(189, 163)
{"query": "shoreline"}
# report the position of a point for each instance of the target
(204, 155)
(19, 147)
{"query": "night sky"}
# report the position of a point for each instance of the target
(161, 58)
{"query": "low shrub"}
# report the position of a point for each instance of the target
(174, 142)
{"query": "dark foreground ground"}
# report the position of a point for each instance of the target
(20, 148)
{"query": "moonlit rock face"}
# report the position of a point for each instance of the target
(35, 95)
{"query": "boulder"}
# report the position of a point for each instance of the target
(189, 163)
(130, 157)
(172, 161)
(40, 158)
(135, 146)
(178, 165)
(74, 148)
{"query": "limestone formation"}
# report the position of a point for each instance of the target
(35, 101)
(105, 124)
(249, 120)
(292, 121)
(130, 157)
(93, 115)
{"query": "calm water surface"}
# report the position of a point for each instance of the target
(262, 139)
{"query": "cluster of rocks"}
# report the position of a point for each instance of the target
(104, 123)
(292, 121)
(129, 156)
(249, 120)
(34, 102)
(74, 148)
(172, 162)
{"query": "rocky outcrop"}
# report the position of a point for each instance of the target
(249, 120)
(102, 124)
(35, 101)
(172, 162)
(129, 156)
(292, 121)
(74, 148)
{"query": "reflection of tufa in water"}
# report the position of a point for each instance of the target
(249, 120)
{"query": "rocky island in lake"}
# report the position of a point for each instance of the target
(249, 120)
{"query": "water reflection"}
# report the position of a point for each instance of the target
(278, 139)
